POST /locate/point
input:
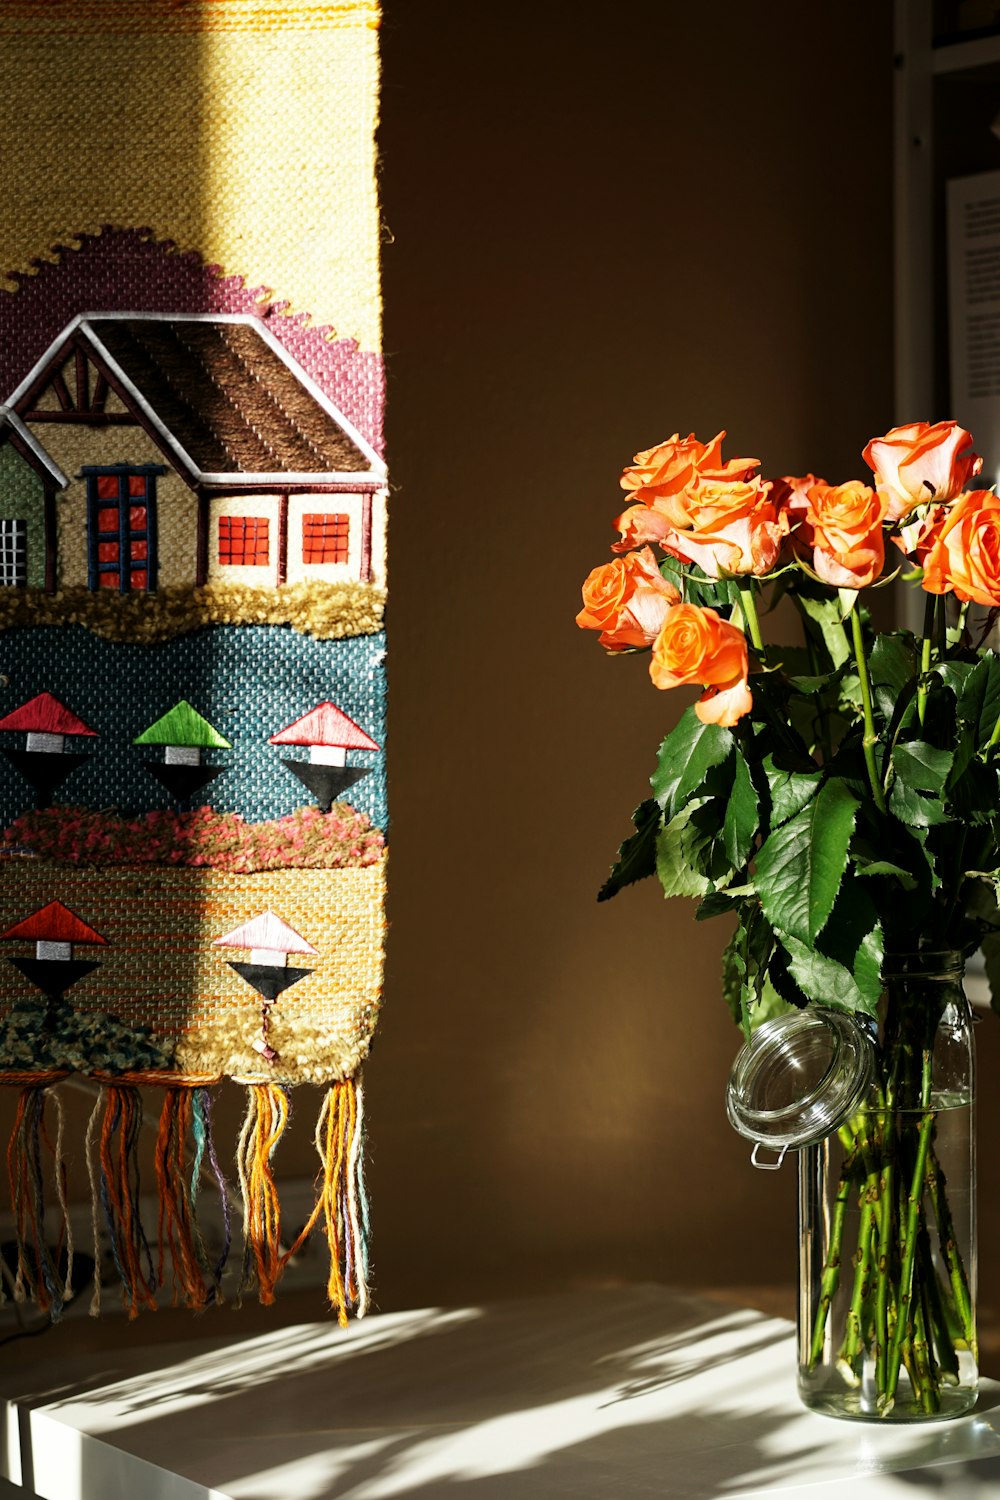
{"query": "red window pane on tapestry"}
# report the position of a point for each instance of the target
(325, 537)
(107, 486)
(244, 541)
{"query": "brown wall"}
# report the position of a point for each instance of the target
(605, 225)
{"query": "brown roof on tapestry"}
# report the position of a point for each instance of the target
(230, 401)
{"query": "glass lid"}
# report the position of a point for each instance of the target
(800, 1076)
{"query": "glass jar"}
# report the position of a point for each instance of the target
(887, 1218)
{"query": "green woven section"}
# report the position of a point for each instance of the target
(182, 725)
(22, 499)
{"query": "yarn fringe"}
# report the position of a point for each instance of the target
(178, 1256)
(342, 1202)
(182, 1143)
(267, 1115)
(44, 1270)
(113, 1161)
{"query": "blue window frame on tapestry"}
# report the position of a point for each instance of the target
(121, 527)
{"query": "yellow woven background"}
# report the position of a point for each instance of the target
(241, 129)
(161, 967)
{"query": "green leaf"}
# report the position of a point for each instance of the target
(913, 809)
(790, 791)
(823, 979)
(690, 859)
(742, 820)
(853, 937)
(721, 903)
(799, 868)
(686, 756)
(979, 699)
(955, 674)
(886, 867)
(849, 697)
(745, 966)
(892, 668)
(972, 785)
(920, 836)
(826, 614)
(696, 587)
(637, 855)
(921, 766)
(734, 972)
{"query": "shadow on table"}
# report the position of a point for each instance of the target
(611, 1395)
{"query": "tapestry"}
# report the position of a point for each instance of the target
(192, 584)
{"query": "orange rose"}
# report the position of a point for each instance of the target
(697, 645)
(639, 524)
(961, 549)
(791, 498)
(842, 524)
(725, 526)
(918, 463)
(673, 465)
(626, 600)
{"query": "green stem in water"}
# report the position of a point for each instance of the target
(937, 1191)
(831, 1269)
(852, 1349)
(871, 738)
(905, 1310)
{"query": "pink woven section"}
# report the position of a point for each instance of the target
(127, 270)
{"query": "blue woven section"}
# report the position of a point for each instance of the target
(249, 681)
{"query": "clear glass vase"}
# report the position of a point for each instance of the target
(887, 1212)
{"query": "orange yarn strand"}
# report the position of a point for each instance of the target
(263, 1128)
(176, 1229)
(119, 1190)
(337, 1148)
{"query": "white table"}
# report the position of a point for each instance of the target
(614, 1394)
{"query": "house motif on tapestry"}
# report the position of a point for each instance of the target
(326, 734)
(184, 734)
(198, 451)
(54, 929)
(269, 940)
(43, 759)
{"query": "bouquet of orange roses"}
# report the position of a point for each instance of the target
(837, 797)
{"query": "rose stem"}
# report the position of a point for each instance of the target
(749, 604)
(909, 1243)
(938, 1190)
(937, 1313)
(831, 1268)
(925, 657)
(871, 738)
(886, 1192)
(853, 1344)
(925, 1383)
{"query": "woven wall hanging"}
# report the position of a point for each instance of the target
(192, 581)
